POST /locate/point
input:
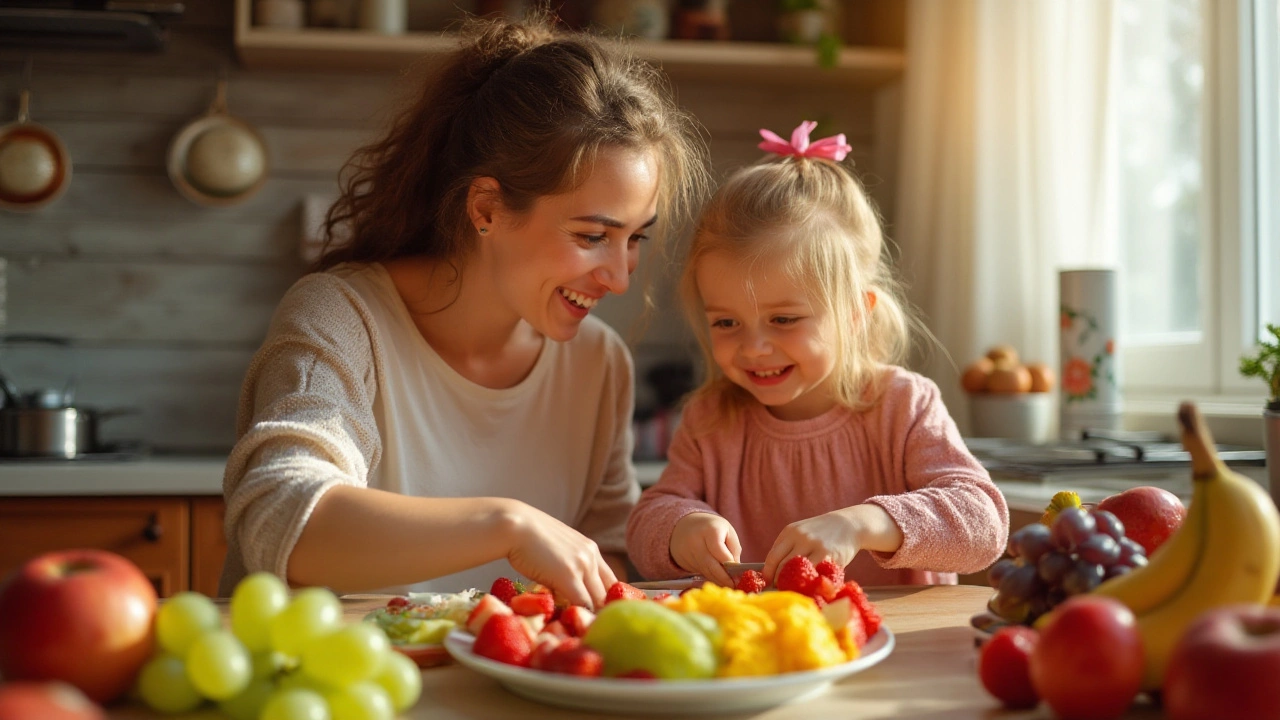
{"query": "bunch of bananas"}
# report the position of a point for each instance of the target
(1227, 551)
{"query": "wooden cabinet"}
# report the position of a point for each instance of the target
(177, 541)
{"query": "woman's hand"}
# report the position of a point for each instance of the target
(838, 536)
(549, 552)
(701, 542)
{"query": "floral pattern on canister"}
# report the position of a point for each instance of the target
(1084, 372)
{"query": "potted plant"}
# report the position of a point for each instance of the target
(1265, 364)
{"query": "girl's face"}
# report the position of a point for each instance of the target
(554, 264)
(768, 338)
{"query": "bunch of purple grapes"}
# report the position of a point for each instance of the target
(1046, 565)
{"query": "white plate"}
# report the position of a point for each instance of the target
(614, 695)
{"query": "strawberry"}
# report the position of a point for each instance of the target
(543, 646)
(485, 609)
(751, 582)
(870, 616)
(397, 602)
(504, 589)
(824, 589)
(623, 591)
(531, 604)
(504, 638)
(571, 657)
(797, 575)
(557, 628)
(576, 620)
(832, 572)
(661, 596)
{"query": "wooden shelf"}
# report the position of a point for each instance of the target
(322, 49)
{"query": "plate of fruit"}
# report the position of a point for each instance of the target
(417, 623)
(710, 649)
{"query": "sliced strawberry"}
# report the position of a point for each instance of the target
(485, 609)
(557, 628)
(571, 657)
(824, 589)
(751, 581)
(870, 616)
(504, 638)
(531, 604)
(832, 572)
(397, 602)
(543, 645)
(576, 620)
(623, 591)
(797, 575)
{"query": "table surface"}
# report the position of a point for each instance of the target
(930, 674)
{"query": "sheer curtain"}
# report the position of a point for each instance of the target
(1007, 171)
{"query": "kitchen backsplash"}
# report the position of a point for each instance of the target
(167, 300)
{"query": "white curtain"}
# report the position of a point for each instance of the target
(1006, 171)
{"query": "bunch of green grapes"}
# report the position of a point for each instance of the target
(283, 658)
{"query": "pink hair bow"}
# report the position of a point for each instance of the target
(829, 148)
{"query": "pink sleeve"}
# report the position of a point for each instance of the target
(679, 492)
(952, 516)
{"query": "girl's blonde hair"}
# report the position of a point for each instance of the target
(811, 219)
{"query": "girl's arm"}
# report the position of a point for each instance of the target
(359, 538)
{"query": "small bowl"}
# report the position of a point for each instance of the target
(1026, 417)
(35, 167)
(218, 161)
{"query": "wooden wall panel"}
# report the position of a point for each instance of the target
(168, 300)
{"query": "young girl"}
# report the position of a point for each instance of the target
(807, 438)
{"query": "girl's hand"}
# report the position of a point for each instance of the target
(549, 552)
(838, 535)
(830, 536)
(701, 542)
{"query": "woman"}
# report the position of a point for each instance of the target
(436, 402)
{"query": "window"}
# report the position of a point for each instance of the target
(1195, 106)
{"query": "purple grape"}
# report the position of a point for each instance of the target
(1031, 542)
(1099, 549)
(1072, 527)
(1109, 524)
(1052, 566)
(1021, 584)
(1082, 578)
(1130, 549)
(1000, 570)
(1012, 609)
(1116, 571)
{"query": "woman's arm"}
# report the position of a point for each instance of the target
(360, 538)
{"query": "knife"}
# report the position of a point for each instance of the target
(734, 569)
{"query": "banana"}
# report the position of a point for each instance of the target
(1227, 551)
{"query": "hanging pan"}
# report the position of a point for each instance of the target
(35, 167)
(218, 160)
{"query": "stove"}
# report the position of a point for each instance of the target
(1099, 453)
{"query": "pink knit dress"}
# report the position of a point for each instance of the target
(762, 474)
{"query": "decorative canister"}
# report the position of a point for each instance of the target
(1089, 318)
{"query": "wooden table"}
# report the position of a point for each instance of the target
(930, 674)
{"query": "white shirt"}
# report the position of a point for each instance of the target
(346, 390)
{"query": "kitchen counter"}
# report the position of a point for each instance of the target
(156, 475)
(931, 673)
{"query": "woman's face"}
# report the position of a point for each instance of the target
(554, 264)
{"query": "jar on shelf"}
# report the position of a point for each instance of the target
(701, 20)
(387, 17)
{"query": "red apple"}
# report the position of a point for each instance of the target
(1150, 514)
(26, 700)
(81, 616)
(1226, 665)
(1088, 663)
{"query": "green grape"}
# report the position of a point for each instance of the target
(402, 680)
(360, 701)
(267, 665)
(312, 613)
(219, 666)
(347, 655)
(183, 618)
(295, 704)
(255, 601)
(248, 704)
(163, 685)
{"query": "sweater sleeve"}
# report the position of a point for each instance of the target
(605, 521)
(305, 423)
(680, 491)
(953, 517)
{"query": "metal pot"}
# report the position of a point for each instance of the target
(49, 432)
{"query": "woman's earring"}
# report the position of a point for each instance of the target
(482, 230)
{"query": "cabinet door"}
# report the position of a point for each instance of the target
(208, 544)
(152, 532)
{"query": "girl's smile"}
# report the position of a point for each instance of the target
(770, 377)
